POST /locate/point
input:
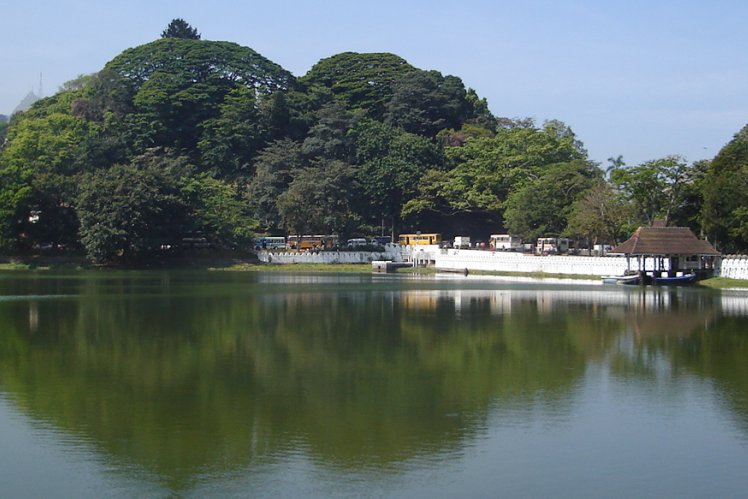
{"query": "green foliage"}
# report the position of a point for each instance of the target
(179, 28)
(488, 169)
(600, 215)
(362, 81)
(390, 164)
(425, 102)
(329, 137)
(15, 195)
(167, 89)
(655, 188)
(46, 150)
(542, 207)
(217, 211)
(725, 194)
(320, 199)
(128, 212)
(274, 170)
(230, 140)
(362, 139)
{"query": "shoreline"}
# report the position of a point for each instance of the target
(238, 264)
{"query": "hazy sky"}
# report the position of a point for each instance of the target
(643, 79)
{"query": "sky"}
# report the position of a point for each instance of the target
(641, 79)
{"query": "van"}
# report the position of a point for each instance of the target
(461, 242)
(356, 242)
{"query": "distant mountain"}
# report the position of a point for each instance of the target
(3, 118)
(26, 102)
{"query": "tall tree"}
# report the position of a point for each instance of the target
(128, 212)
(600, 215)
(179, 28)
(164, 91)
(320, 199)
(614, 163)
(725, 212)
(425, 102)
(230, 140)
(362, 81)
(487, 169)
(542, 207)
(654, 187)
(329, 137)
(391, 163)
(274, 168)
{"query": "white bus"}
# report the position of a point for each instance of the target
(505, 242)
(552, 246)
(270, 242)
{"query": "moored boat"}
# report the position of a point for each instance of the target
(675, 280)
(621, 279)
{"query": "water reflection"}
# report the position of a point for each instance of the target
(192, 375)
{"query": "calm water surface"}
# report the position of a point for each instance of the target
(184, 384)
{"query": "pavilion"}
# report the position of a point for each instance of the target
(670, 250)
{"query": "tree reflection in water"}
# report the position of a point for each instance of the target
(185, 374)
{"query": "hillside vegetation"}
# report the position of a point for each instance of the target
(184, 138)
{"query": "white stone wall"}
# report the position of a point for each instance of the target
(391, 253)
(733, 267)
(499, 261)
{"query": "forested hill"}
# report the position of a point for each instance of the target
(183, 138)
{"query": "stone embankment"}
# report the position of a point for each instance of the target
(503, 261)
(392, 253)
(730, 266)
(733, 267)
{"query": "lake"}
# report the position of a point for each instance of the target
(231, 384)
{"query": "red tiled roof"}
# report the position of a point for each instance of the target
(665, 241)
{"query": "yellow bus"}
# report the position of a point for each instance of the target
(311, 242)
(419, 239)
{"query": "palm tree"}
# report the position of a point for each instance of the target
(615, 164)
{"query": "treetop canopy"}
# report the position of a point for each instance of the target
(179, 28)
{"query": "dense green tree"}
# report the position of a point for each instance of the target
(726, 195)
(320, 199)
(487, 169)
(600, 215)
(230, 140)
(130, 211)
(542, 207)
(655, 188)
(45, 148)
(328, 137)
(216, 211)
(391, 162)
(425, 102)
(167, 89)
(689, 210)
(274, 170)
(179, 28)
(457, 138)
(362, 81)
(15, 195)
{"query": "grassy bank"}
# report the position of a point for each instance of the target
(42, 266)
(537, 275)
(724, 283)
(295, 267)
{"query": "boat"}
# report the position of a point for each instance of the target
(675, 280)
(621, 279)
